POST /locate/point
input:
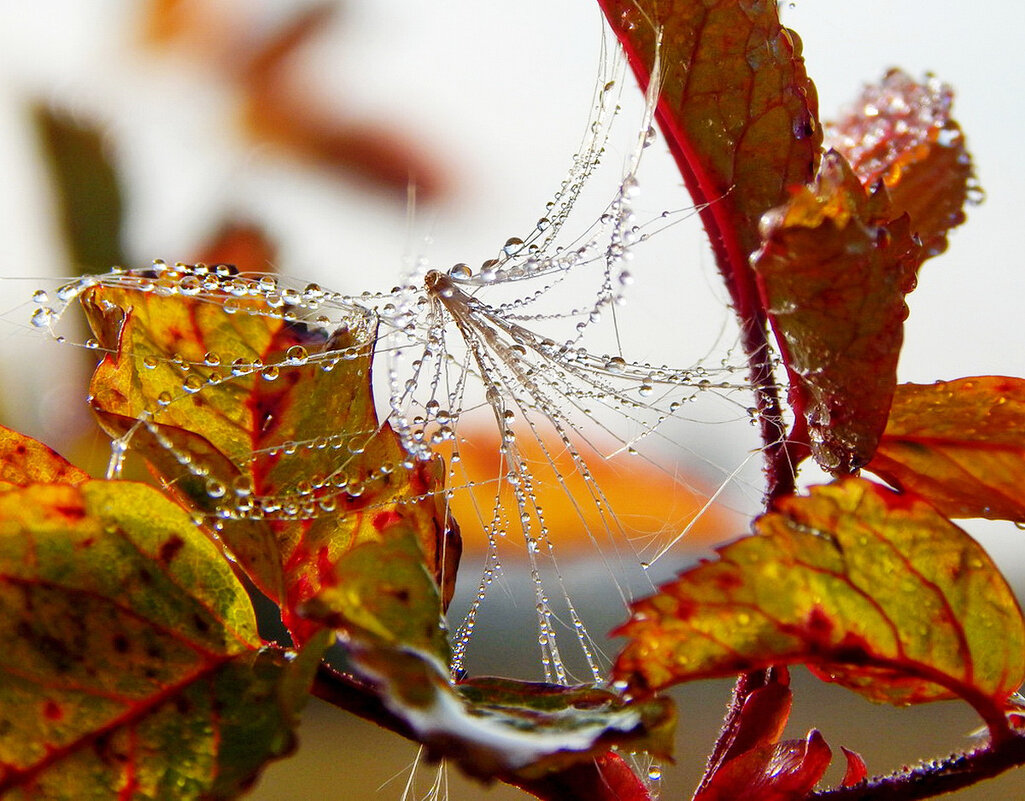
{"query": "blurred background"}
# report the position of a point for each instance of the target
(304, 122)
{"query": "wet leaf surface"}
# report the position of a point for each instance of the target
(874, 590)
(518, 731)
(131, 666)
(833, 272)
(269, 428)
(901, 132)
(24, 460)
(959, 445)
(737, 109)
(785, 771)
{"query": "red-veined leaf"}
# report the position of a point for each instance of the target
(960, 445)
(131, 665)
(785, 771)
(520, 732)
(833, 272)
(875, 590)
(268, 427)
(24, 460)
(737, 109)
(901, 132)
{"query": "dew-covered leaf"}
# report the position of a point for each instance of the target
(833, 272)
(901, 132)
(960, 445)
(737, 109)
(874, 590)
(265, 426)
(513, 730)
(785, 771)
(87, 189)
(131, 665)
(24, 460)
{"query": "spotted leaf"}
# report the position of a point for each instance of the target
(875, 590)
(131, 666)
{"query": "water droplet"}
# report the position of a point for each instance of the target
(40, 296)
(460, 271)
(616, 365)
(650, 136)
(296, 354)
(193, 384)
(42, 318)
(214, 488)
(513, 245)
(164, 398)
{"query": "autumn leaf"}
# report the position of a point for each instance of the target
(875, 590)
(267, 427)
(959, 445)
(901, 132)
(520, 732)
(738, 112)
(785, 771)
(833, 272)
(132, 665)
(24, 460)
(277, 106)
(245, 245)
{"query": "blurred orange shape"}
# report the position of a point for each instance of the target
(628, 502)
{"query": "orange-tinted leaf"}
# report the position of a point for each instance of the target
(857, 770)
(764, 715)
(785, 771)
(266, 426)
(630, 486)
(738, 112)
(514, 730)
(247, 246)
(24, 460)
(131, 665)
(960, 445)
(833, 272)
(901, 132)
(874, 589)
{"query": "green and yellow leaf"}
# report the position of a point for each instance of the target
(875, 590)
(131, 665)
(267, 427)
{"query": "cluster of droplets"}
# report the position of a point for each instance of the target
(454, 340)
